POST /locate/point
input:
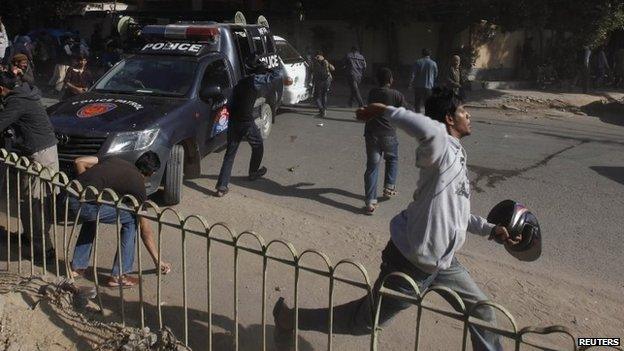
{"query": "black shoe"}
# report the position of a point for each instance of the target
(258, 174)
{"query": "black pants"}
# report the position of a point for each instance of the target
(420, 97)
(355, 92)
(321, 90)
(235, 134)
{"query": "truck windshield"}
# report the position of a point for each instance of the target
(287, 53)
(139, 75)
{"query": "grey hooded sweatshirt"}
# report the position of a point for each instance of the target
(433, 227)
(23, 111)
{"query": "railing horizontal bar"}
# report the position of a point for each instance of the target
(416, 300)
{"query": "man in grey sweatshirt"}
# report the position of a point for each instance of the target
(426, 235)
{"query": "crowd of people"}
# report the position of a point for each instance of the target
(24, 117)
(67, 62)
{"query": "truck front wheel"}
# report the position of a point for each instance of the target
(174, 174)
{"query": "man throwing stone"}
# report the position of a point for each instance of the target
(426, 235)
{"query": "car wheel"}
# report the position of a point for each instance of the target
(174, 173)
(265, 121)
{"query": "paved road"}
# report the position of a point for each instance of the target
(570, 171)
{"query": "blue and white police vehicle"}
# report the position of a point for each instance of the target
(171, 97)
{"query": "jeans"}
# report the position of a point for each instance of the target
(108, 215)
(235, 134)
(420, 98)
(40, 231)
(321, 90)
(355, 92)
(356, 317)
(376, 146)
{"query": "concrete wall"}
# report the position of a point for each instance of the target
(503, 51)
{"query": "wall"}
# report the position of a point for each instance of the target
(503, 51)
(412, 39)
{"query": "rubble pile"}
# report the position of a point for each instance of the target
(526, 103)
(135, 339)
(71, 320)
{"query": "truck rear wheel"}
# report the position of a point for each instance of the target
(265, 121)
(174, 174)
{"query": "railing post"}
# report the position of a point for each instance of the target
(8, 219)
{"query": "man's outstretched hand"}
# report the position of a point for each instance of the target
(501, 236)
(369, 112)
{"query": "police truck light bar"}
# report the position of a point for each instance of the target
(181, 32)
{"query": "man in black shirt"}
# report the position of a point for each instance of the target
(125, 179)
(381, 140)
(22, 110)
(242, 123)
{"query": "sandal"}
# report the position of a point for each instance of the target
(389, 192)
(78, 273)
(125, 281)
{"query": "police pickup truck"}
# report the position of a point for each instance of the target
(172, 97)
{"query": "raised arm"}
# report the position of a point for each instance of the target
(431, 135)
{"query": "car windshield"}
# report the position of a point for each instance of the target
(287, 53)
(152, 76)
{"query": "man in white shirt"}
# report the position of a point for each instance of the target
(427, 234)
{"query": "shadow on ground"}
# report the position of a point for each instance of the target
(614, 173)
(300, 190)
(611, 112)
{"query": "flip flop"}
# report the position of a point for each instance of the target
(387, 192)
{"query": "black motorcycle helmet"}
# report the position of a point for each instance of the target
(520, 223)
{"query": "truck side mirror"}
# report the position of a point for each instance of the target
(211, 93)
